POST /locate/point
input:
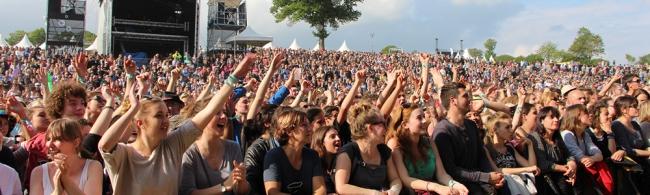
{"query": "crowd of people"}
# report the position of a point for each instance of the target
(279, 121)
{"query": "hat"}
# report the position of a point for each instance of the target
(170, 96)
(566, 89)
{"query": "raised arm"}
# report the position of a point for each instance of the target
(609, 84)
(390, 102)
(208, 87)
(360, 77)
(261, 90)
(424, 61)
(176, 75)
(390, 84)
(112, 135)
(521, 98)
(304, 88)
(104, 119)
(215, 105)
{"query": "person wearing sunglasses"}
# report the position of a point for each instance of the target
(365, 166)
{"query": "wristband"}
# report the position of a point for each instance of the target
(109, 107)
(231, 80)
(130, 76)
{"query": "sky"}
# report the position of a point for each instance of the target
(519, 26)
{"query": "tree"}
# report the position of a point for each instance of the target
(644, 59)
(89, 37)
(549, 52)
(630, 59)
(504, 58)
(587, 45)
(532, 58)
(389, 49)
(474, 52)
(490, 44)
(37, 36)
(319, 14)
(15, 37)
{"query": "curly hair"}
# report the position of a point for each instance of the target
(55, 103)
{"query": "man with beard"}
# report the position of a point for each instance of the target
(458, 140)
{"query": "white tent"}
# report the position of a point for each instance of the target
(250, 37)
(294, 45)
(269, 46)
(466, 54)
(93, 47)
(24, 43)
(344, 47)
(492, 59)
(42, 46)
(451, 51)
(3, 43)
(317, 47)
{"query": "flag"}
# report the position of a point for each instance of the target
(50, 84)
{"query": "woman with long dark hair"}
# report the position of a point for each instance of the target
(558, 168)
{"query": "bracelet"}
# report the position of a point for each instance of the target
(451, 183)
(130, 76)
(428, 186)
(109, 107)
(231, 80)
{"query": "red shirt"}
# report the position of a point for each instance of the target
(37, 153)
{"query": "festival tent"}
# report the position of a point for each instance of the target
(3, 43)
(317, 47)
(344, 47)
(42, 46)
(24, 43)
(269, 46)
(250, 37)
(93, 46)
(451, 51)
(466, 54)
(294, 45)
(492, 59)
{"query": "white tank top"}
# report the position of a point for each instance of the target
(47, 183)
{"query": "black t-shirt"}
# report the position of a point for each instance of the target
(7, 157)
(278, 168)
(367, 175)
(344, 132)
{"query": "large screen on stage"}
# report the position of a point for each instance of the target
(65, 24)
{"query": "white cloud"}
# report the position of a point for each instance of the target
(382, 10)
(619, 24)
(477, 2)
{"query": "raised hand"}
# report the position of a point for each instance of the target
(360, 75)
(129, 65)
(424, 59)
(107, 94)
(277, 61)
(81, 64)
(245, 65)
(212, 79)
(143, 81)
(176, 74)
(13, 106)
(305, 86)
(134, 97)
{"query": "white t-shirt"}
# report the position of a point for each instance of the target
(9, 182)
(131, 173)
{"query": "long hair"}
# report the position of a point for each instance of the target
(318, 140)
(595, 113)
(644, 112)
(402, 133)
(541, 115)
(571, 119)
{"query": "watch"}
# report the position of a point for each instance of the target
(223, 189)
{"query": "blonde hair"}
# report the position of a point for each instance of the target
(644, 112)
(549, 96)
(498, 120)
